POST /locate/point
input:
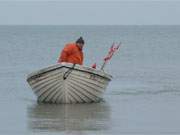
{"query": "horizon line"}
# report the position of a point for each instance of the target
(89, 24)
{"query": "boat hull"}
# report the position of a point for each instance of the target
(68, 83)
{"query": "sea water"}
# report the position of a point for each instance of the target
(142, 98)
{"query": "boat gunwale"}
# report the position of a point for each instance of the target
(92, 71)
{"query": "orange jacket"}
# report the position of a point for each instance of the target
(71, 54)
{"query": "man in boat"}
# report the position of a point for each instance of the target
(72, 52)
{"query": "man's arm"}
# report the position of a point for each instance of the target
(64, 54)
(63, 57)
(82, 58)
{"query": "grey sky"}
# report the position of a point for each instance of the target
(96, 12)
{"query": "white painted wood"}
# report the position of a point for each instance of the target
(83, 85)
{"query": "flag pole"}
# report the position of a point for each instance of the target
(103, 65)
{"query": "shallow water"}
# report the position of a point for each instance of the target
(143, 97)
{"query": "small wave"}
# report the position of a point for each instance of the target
(143, 92)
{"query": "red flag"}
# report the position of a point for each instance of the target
(111, 52)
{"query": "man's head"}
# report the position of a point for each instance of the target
(80, 43)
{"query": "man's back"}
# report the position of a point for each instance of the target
(71, 54)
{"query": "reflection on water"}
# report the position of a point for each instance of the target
(69, 117)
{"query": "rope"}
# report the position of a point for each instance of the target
(67, 73)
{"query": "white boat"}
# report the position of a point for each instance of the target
(69, 83)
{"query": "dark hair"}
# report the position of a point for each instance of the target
(80, 40)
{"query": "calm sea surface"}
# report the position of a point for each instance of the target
(143, 97)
